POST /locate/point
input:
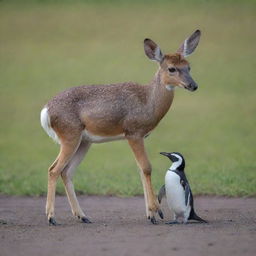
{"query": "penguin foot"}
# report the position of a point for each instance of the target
(172, 222)
(52, 221)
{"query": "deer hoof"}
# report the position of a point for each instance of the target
(153, 220)
(85, 220)
(52, 222)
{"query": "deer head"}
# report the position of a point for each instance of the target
(174, 68)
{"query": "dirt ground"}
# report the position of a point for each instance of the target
(120, 228)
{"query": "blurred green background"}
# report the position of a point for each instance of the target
(48, 46)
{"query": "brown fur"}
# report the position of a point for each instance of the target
(110, 110)
(175, 59)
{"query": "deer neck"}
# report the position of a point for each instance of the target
(160, 97)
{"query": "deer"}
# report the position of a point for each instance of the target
(80, 116)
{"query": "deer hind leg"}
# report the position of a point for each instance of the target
(67, 175)
(152, 205)
(67, 150)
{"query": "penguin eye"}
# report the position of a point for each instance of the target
(175, 159)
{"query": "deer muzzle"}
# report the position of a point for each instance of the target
(191, 87)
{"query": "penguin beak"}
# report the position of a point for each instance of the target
(164, 154)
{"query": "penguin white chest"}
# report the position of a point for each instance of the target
(175, 193)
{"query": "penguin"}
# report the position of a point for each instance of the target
(177, 190)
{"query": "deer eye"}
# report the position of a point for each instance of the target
(172, 70)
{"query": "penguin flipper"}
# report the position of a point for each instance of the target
(187, 190)
(161, 194)
(187, 193)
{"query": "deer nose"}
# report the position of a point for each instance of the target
(193, 86)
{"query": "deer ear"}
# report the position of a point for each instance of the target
(190, 44)
(152, 50)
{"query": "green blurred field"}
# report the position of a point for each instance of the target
(46, 47)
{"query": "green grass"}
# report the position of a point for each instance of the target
(47, 46)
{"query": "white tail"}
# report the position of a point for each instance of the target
(83, 115)
(45, 122)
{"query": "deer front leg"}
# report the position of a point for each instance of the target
(152, 206)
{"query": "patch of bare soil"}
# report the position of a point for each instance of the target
(120, 228)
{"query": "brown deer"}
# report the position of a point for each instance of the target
(83, 115)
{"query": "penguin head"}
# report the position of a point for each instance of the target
(177, 159)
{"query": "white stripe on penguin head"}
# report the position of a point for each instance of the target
(176, 164)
